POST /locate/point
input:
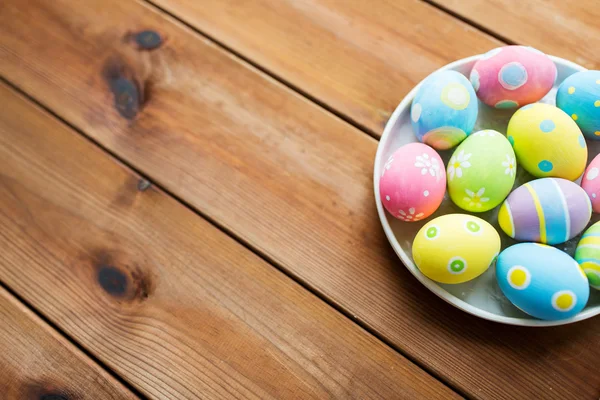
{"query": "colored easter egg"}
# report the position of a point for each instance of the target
(413, 182)
(591, 183)
(547, 142)
(455, 248)
(579, 97)
(444, 110)
(587, 254)
(481, 172)
(513, 76)
(547, 210)
(542, 281)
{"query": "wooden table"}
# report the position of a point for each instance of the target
(186, 205)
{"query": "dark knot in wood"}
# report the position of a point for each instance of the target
(148, 40)
(112, 280)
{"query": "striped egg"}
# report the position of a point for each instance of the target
(588, 254)
(542, 281)
(547, 210)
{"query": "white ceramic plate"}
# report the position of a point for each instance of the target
(482, 296)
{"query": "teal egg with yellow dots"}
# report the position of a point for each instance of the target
(542, 281)
(547, 142)
(444, 110)
(579, 97)
(587, 254)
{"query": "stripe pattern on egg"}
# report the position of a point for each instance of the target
(547, 210)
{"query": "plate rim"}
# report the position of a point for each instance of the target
(408, 264)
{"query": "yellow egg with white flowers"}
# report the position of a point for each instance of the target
(455, 248)
(547, 142)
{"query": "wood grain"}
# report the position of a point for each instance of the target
(37, 363)
(281, 174)
(358, 57)
(567, 29)
(169, 302)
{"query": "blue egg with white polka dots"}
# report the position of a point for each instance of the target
(444, 110)
(579, 97)
(542, 281)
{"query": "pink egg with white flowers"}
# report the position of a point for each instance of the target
(591, 183)
(413, 182)
(513, 76)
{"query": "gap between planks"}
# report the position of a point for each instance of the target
(289, 274)
(72, 341)
(469, 21)
(296, 89)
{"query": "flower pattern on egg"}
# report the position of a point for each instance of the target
(476, 198)
(428, 165)
(457, 163)
(509, 165)
(410, 215)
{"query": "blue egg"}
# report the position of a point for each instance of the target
(542, 281)
(579, 96)
(444, 111)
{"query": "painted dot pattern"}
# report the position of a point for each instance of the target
(564, 300)
(571, 90)
(545, 166)
(547, 126)
(473, 227)
(512, 76)
(519, 277)
(455, 96)
(432, 232)
(575, 117)
(506, 104)
(457, 265)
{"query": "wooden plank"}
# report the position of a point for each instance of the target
(283, 175)
(358, 57)
(38, 363)
(172, 304)
(567, 29)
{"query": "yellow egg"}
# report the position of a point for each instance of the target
(455, 248)
(547, 142)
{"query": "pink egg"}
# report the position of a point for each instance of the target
(513, 76)
(591, 183)
(413, 182)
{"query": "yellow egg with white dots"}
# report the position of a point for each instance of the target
(547, 142)
(455, 248)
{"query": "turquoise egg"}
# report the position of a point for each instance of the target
(444, 110)
(579, 97)
(542, 281)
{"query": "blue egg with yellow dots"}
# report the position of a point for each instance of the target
(579, 97)
(444, 110)
(542, 281)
